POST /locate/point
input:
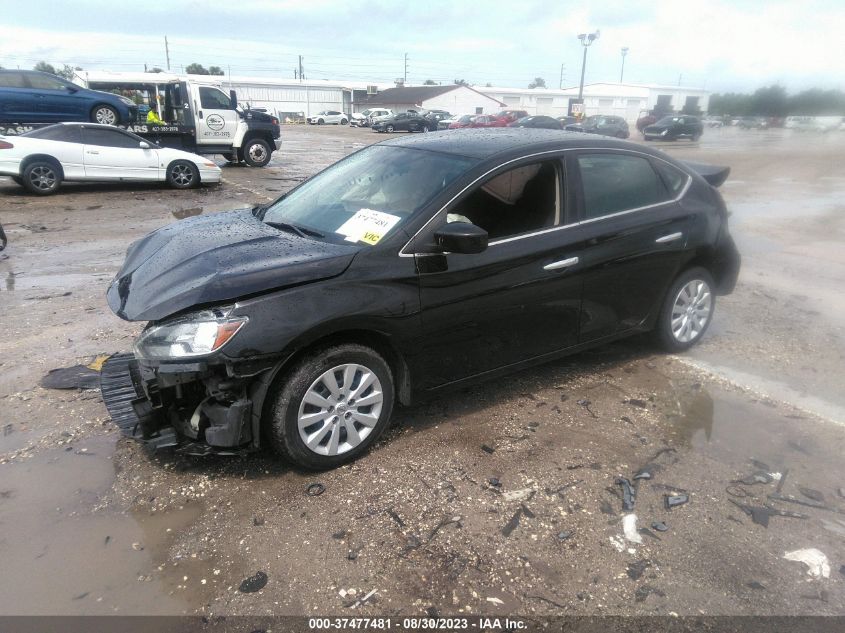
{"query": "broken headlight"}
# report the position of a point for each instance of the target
(189, 336)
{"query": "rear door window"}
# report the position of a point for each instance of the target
(618, 182)
(43, 82)
(12, 80)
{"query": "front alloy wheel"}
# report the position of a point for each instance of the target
(332, 406)
(106, 115)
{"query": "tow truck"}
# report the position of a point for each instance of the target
(192, 114)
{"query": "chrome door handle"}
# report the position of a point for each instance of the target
(563, 263)
(91, 152)
(669, 238)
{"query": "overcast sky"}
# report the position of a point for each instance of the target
(719, 45)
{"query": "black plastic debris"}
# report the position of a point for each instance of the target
(646, 472)
(315, 489)
(76, 377)
(645, 591)
(494, 481)
(80, 596)
(755, 585)
(629, 495)
(254, 583)
(646, 532)
(586, 404)
(257, 520)
(760, 465)
(396, 517)
(815, 495)
(565, 534)
(637, 569)
(659, 526)
(636, 402)
(761, 514)
(606, 508)
(487, 449)
(447, 521)
(340, 534)
(511, 525)
(673, 501)
(526, 512)
(800, 502)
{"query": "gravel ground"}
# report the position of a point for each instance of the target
(499, 499)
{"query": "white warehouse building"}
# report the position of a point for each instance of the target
(625, 100)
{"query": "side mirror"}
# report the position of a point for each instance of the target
(461, 237)
(144, 145)
(233, 99)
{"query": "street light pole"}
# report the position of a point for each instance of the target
(622, 72)
(586, 40)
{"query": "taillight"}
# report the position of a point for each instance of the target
(275, 121)
(5, 145)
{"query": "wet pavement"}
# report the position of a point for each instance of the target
(497, 499)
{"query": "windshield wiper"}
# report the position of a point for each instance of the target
(299, 230)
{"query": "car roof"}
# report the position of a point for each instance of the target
(485, 143)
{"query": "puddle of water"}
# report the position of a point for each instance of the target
(63, 555)
(181, 214)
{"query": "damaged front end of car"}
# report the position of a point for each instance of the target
(168, 392)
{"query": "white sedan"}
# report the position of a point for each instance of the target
(44, 158)
(332, 117)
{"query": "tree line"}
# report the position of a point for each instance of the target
(774, 101)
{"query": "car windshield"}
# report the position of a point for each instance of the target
(668, 120)
(367, 195)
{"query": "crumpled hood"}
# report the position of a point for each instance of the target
(216, 258)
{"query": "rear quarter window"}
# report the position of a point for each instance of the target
(618, 182)
(11, 80)
(673, 178)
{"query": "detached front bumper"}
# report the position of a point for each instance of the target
(191, 407)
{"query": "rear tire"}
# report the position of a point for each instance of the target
(42, 177)
(336, 432)
(257, 152)
(343, 121)
(182, 174)
(687, 310)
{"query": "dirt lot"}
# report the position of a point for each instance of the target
(500, 499)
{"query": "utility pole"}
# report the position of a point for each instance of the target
(300, 69)
(586, 40)
(167, 52)
(562, 67)
(622, 72)
(405, 81)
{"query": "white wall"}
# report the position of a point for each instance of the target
(462, 100)
(293, 98)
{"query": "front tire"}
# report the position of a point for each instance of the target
(257, 152)
(687, 310)
(320, 121)
(42, 177)
(182, 174)
(331, 407)
(343, 121)
(105, 114)
(389, 129)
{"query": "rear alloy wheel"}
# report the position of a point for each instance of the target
(104, 114)
(332, 406)
(320, 121)
(257, 152)
(343, 121)
(182, 174)
(687, 310)
(42, 177)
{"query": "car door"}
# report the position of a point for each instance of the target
(634, 232)
(218, 120)
(53, 100)
(112, 154)
(17, 103)
(517, 300)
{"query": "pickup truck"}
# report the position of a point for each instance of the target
(190, 114)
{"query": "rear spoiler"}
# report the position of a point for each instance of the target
(713, 174)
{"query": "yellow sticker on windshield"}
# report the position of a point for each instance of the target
(370, 238)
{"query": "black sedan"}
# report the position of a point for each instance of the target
(542, 122)
(405, 122)
(671, 128)
(407, 268)
(602, 124)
